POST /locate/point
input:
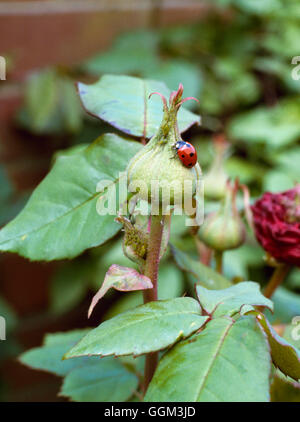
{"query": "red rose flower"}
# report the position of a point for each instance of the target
(276, 218)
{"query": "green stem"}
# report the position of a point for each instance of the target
(219, 261)
(150, 295)
(277, 278)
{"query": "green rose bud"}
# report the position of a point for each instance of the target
(216, 177)
(224, 229)
(156, 174)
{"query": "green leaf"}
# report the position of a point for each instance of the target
(226, 362)
(51, 104)
(123, 279)
(288, 160)
(70, 105)
(246, 171)
(49, 356)
(283, 390)
(257, 7)
(41, 98)
(281, 38)
(88, 378)
(105, 380)
(230, 301)
(229, 86)
(202, 274)
(60, 220)
(275, 127)
(123, 102)
(144, 329)
(132, 52)
(285, 356)
(278, 180)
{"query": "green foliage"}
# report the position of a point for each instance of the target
(199, 272)
(144, 329)
(51, 104)
(48, 357)
(283, 390)
(231, 300)
(134, 52)
(105, 380)
(257, 7)
(224, 354)
(137, 53)
(274, 127)
(278, 181)
(285, 356)
(239, 64)
(86, 379)
(230, 85)
(65, 202)
(287, 161)
(124, 103)
(246, 171)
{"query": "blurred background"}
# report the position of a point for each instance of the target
(234, 55)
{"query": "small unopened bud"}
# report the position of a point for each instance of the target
(155, 173)
(224, 229)
(216, 177)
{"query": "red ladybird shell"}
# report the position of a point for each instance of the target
(186, 153)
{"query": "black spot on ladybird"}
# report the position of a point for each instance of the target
(191, 154)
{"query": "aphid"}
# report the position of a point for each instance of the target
(186, 153)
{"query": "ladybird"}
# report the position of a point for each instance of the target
(186, 153)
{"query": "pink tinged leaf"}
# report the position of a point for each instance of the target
(123, 279)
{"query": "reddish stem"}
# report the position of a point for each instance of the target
(205, 253)
(150, 295)
(277, 278)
